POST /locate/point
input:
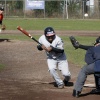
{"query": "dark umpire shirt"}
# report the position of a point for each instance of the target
(92, 54)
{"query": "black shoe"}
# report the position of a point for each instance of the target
(76, 93)
(95, 91)
(65, 82)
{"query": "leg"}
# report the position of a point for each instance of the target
(52, 65)
(97, 82)
(86, 70)
(63, 67)
(97, 74)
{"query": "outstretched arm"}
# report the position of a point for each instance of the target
(77, 45)
(85, 47)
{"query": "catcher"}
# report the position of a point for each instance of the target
(92, 59)
(3, 27)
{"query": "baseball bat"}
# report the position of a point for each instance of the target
(27, 34)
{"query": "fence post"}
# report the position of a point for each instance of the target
(83, 9)
(5, 8)
(66, 10)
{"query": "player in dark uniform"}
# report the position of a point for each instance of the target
(92, 59)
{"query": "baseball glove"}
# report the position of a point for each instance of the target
(3, 27)
(74, 42)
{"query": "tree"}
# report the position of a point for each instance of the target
(53, 7)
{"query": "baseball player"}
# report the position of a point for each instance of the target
(92, 59)
(56, 58)
(1, 18)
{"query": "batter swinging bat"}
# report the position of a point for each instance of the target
(27, 34)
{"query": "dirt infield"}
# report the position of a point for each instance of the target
(26, 76)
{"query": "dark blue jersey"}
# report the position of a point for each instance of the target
(92, 54)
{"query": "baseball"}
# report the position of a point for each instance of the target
(86, 15)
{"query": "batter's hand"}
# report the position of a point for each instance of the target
(48, 49)
(74, 42)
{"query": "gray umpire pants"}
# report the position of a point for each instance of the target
(86, 70)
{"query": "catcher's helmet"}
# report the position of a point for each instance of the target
(97, 40)
(49, 31)
(2, 8)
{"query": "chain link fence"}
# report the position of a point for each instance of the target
(67, 10)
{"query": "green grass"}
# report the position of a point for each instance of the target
(57, 24)
(21, 37)
(1, 66)
(14, 37)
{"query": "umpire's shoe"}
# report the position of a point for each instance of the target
(76, 93)
(95, 91)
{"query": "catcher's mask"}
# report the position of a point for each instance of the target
(49, 33)
(97, 41)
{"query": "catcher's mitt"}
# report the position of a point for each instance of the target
(3, 27)
(74, 42)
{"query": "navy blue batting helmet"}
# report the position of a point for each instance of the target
(49, 31)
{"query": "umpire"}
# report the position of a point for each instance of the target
(92, 59)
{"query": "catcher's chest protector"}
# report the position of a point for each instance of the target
(97, 74)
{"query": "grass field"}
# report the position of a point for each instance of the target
(73, 56)
(57, 24)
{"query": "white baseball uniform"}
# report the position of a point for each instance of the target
(56, 60)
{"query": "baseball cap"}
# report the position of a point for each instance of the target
(97, 40)
(2, 8)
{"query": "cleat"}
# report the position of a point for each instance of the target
(65, 82)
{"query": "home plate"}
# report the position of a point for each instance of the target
(89, 85)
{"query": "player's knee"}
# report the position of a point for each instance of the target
(52, 70)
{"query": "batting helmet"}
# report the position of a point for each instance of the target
(97, 40)
(49, 31)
